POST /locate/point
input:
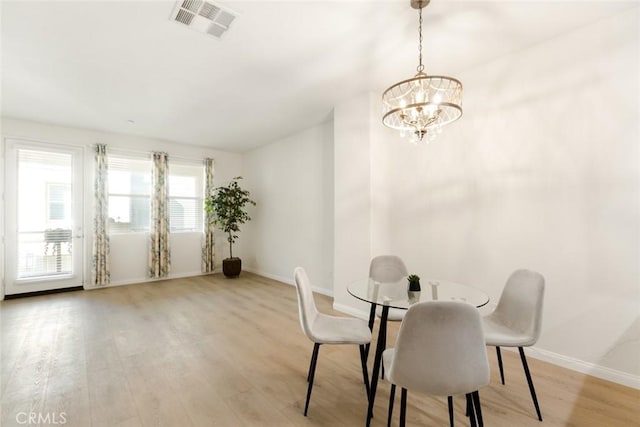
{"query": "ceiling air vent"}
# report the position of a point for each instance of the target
(203, 16)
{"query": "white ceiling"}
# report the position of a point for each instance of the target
(281, 67)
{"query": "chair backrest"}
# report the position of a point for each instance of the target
(306, 305)
(387, 268)
(440, 349)
(520, 305)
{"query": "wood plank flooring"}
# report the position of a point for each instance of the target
(208, 351)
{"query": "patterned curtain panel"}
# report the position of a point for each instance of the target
(208, 241)
(100, 261)
(159, 255)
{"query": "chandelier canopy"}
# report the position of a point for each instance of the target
(423, 104)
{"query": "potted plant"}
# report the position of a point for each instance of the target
(227, 208)
(413, 291)
(414, 282)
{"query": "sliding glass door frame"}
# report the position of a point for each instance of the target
(71, 236)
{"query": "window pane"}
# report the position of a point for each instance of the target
(128, 213)
(186, 209)
(56, 211)
(127, 182)
(183, 186)
(129, 194)
(129, 164)
(185, 214)
(44, 213)
(58, 201)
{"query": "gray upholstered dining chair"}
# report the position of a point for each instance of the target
(517, 320)
(440, 350)
(388, 268)
(324, 329)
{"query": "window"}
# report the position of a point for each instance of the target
(58, 202)
(129, 194)
(44, 212)
(186, 205)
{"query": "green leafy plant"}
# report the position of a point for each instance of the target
(414, 282)
(227, 208)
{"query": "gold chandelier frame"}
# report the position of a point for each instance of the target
(423, 104)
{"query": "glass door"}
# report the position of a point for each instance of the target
(44, 233)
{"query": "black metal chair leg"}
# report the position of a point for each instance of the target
(470, 412)
(365, 374)
(372, 318)
(530, 381)
(500, 364)
(392, 398)
(384, 346)
(312, 371)
(403, 407)
(450, 403)
(313, 357)
(376, 363)
(476, 404)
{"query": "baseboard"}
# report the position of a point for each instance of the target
(146, 280)
(588, 368)
(47, 292)
(567, 362)
(287, 280)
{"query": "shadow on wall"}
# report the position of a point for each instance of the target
(596, 393)
(624, 354)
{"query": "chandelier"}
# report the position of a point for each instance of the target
(423, 104)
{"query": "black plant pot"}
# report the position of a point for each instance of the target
(231, 267)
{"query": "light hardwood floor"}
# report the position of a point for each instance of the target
(208, 351)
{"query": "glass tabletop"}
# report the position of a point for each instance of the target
(396, 295)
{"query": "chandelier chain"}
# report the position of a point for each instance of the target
(420, 67)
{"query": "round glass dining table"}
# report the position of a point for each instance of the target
(396, 295)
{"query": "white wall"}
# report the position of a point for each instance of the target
(541, 172)
(129, 252)
(291, 181)
(2, 233)
(316, 203)
(352, 198)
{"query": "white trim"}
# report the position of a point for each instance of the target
(126, 282)
(287, 280)
(588, 368)
(2, 215)
(45, 141)
(118, 151)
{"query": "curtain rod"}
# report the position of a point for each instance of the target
(148, 153)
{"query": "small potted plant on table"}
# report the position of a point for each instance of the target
(413, 291)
